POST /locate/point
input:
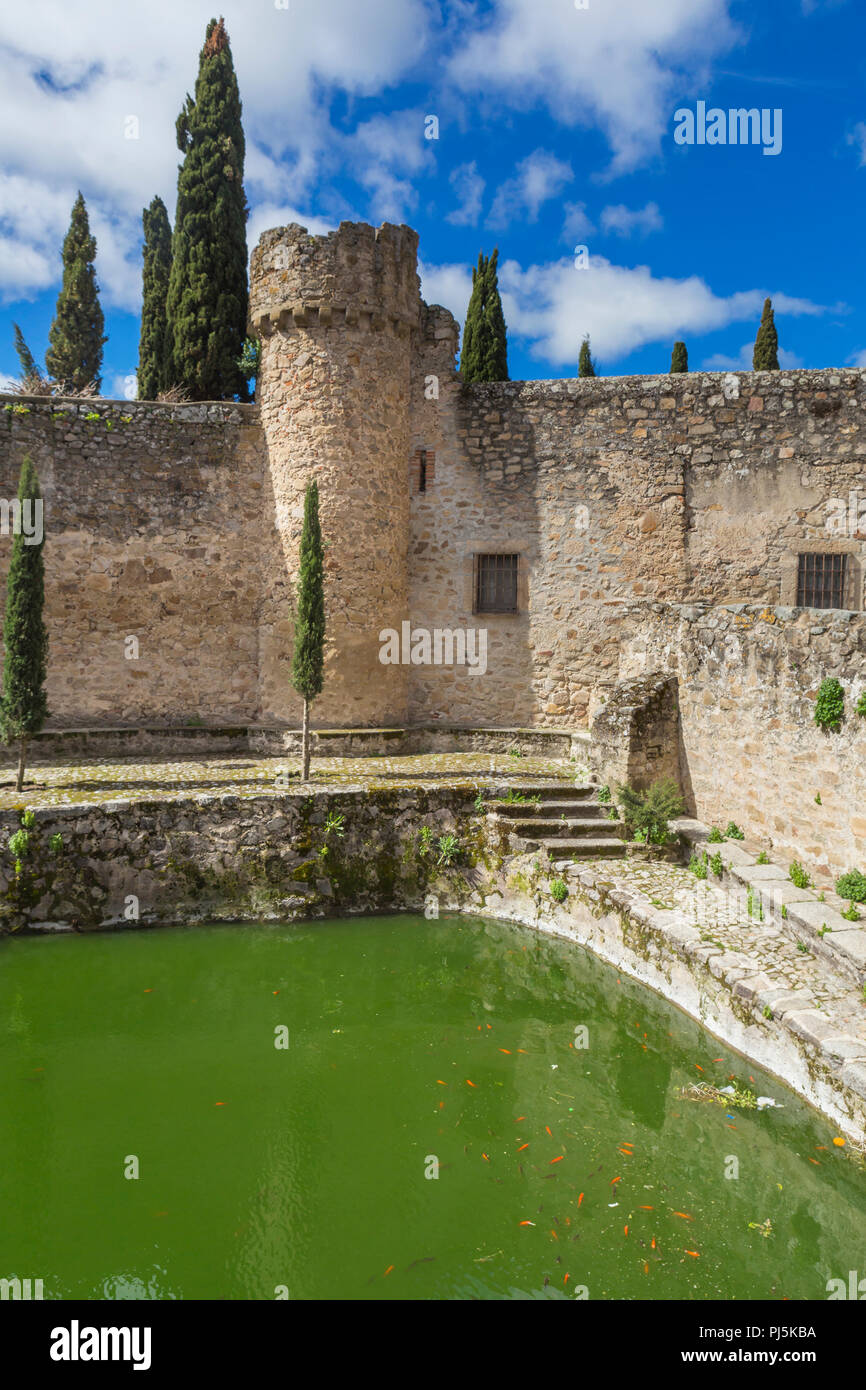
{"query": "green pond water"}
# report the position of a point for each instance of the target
(303, 1168)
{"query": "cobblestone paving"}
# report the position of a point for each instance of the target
(721, 920)
(96, 781)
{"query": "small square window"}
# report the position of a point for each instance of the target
(495, 584)
(821, 581)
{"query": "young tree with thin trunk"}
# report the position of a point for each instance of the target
(585, 364)
(765, 357)
(308, 659)
(23, 702)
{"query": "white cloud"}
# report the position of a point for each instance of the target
(469, 187)
(858, 139)
(577, 223)
(623, 221)
(623, 308)
(722, 362)
(620, 66)
(448, 285)
(857, 359)
(537, 178)
(73, 74)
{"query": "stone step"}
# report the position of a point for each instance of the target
(584, 848)
(551, 791)
(571, 827)
(550, 809)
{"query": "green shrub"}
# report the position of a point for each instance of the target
(449, 848)
(860, 706)
(558, 890)
(698, 865)
(852, 886)
(716, 864)
(19, 843)
(733, 831)
(646, 814)
(604, 793)
(763, 857)
(425, 840)
(799, 876)
(715, 836)
(851, 914)
(830, 705)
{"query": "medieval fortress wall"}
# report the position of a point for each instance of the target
(152, 520)
(179, 526)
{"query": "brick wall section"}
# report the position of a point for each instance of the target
(751, 752)
(153, 515)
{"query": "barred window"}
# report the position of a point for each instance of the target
(821, 581)
(495, 584)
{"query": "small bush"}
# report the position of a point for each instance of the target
(860, 706)
(851, 914)
(698, 865)
(763, 857)
(716, 864)
(449, 848)
(799, 876)
(646, 814)
(558, 890)
(852, 886)
(715, 836)
(830, 705)
(604, 793)
(733, 831)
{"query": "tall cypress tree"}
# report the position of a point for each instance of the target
(74, 356)
(207, 294)
(308, 658)
(679, 358)
(765, 357)
(484, 355)
(23, 703)
(154, 371)
(585, 364)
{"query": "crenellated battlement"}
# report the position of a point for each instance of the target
(358, 276)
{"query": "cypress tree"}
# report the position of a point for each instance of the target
(679, 358)
(207, 293)
(154, 374)
(484, 356)
(29, 369)
(585, 364)
(308, 657)
(23, 703)
(74, 356)
(765, 357)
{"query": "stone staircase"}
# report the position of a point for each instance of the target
(567, 820)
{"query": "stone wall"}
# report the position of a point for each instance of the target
(616, 489)
(153, 516)
(751, 752)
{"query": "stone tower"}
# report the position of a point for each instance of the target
(337, 316)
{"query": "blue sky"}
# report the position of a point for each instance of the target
(555, 129)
